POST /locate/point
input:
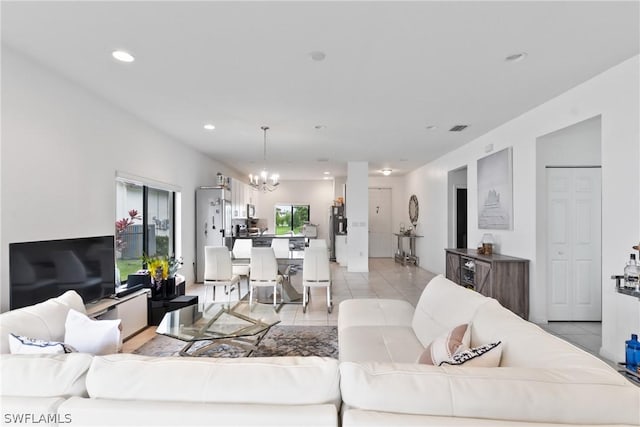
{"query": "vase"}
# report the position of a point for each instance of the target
(170, 287)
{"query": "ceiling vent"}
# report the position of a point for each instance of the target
(458, 128)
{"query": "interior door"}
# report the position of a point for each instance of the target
(461, 217)
(380, 236)
(574, 260)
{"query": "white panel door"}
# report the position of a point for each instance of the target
(380, 237)
(574, 244)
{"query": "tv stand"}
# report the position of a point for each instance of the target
(123, 291)
(131, 309)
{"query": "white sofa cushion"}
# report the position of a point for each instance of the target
(357, 417)
(567, 395)
(43, 321)
(444, 305)
(25, 411)
(267, 381)
(107, 412)
(35, 375)
(374, 312)
(379, 344)
(525, 344)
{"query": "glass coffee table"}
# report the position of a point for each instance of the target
(217, 323)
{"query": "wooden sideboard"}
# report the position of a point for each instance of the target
(502, 277)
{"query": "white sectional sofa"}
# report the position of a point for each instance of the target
(125, 389)
(131, 390)
(541, 379)
(45, 320)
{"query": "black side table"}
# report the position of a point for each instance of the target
(156, 309)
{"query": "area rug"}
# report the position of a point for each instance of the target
(279, 341)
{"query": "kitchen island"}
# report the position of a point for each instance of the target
(297, 242)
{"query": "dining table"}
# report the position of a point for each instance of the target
(287, 266)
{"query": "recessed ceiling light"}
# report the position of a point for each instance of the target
(209, 126)
(386, 172)
(327, 173)
(431, 127)
(317, 55)
(123, 56)
(327, 177)
(516, 57)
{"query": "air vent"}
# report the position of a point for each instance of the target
(458, 128)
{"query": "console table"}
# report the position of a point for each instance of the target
(131, 309)
(402, 256)
(502, 277)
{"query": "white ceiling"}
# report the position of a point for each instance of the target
(391, 69)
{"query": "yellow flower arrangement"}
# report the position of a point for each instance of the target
(159, 268)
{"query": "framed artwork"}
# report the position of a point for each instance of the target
(413, 209)
(495, 191)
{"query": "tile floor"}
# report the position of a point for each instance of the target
(385, 279)
(586, 335)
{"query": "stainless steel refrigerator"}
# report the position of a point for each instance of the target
(337, 227)
(213, 223)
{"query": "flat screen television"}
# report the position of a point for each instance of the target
(47, 269)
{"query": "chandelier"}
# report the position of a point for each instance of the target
(263, 181)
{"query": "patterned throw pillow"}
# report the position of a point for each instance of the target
(23, 345)
(446, 346)
(487, 356)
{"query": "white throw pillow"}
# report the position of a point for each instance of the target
(446, 345)
(24, 345)
(92, 336)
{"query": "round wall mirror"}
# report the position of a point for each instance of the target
(413, 209)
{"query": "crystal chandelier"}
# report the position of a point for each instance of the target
(263, 181)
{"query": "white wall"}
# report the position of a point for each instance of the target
(357, 203)
(61, 148)
(317, 194)
(614, 96)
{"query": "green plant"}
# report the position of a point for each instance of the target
(162, 244)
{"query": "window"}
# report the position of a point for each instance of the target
(144, 225)
(290, 218)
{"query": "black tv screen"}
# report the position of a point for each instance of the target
(47, 269)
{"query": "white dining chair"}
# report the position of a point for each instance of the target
(316, 273)
(280, 247)
(218, 271)
(242, 250)
(264, 272)
(317, 243)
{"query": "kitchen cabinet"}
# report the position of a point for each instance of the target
(502, 277)
(241, 196)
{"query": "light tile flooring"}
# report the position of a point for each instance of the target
(586, 335)
(385, 279)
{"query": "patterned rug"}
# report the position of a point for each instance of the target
(279, 341)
